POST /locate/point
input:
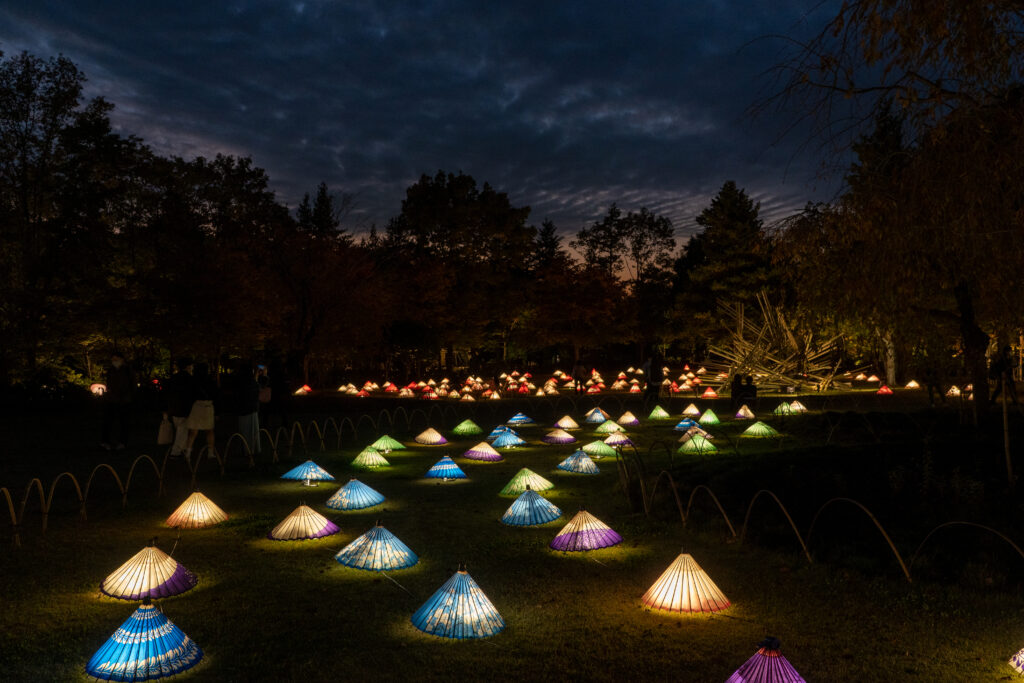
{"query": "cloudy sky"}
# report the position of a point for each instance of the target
(566, 106)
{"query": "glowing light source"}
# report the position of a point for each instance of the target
(608, 427)
(658, 413)
(307, 473)
(912, 384)
(567, 423)
(580, 463)
(766, 666)
(483, 452)
(617, 439)
(585, 532)
(530, 509)
(498, 431)
(196, 512)
(698, 445)
(149, 573)
(368, 459)
(760, 430)
(377, 550)
(459, 609)
(145, 647)
(744, 413)
(303, 523)
(798, 407)
(508, 439)
(431, 437)
(97, 389)
(595, 416)
(386, 444)
(709, 393)
(467, 428)
(783, 409)
(629, 419)
(526, 479)
(445, 468)
(355, 495)
(884, 390)
(685, 424)
(685, 587)
(558, 436)
(709, 418)
(691, 411)
(519, 419)
(598, 450)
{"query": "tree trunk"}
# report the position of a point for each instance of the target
(890, 358)
(975, 343)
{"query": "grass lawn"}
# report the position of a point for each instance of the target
(269, 610)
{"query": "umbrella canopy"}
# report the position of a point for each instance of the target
(526, 479)
(431, 437)
(529, 509)
(698, 445)
(567, 423)
(459, 609)
(691, 411)
(519, 419)
(599, 449)
(508, 439)
(558, 436)
(149, 573)
(766, 666)
(308, 471)
(147, 646)
(355, 495)
(760, 430)
(629, 419)
(484, 452)
(595, 416)
(377, 550)
(585, 532)
(658, 413)
(386, 444)
(685, 587)
(609, 427)
(580, 463)
(445, 468)
(369, 459)
(744, 413)
(196, 512)
(303, 523)
(467, 428)
(709, 418)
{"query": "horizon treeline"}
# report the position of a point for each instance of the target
(107, 245)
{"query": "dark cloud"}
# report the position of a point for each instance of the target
(566, 106)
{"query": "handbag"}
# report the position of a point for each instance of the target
(165, 434)
(201, 416)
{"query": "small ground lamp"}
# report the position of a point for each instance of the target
(377, 550)
(303, 523)
(145, 647)
(584, 532)
(685, 587)
(766, 666)
(530, 509)
(308, 472)
(149, 573)
(196, 512)
(580, 463)
(355, 495)
(459, 609)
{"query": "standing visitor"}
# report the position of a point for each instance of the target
(179, 395)
(579, 376)
(117, 402)
(653, 376)
(247, 401)
(202, 416)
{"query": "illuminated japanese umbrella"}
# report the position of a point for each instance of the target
(744, 413)
(386, 444)
(684, 425)
(498, 431)
(519, 419)
(585, 532)
(709, 393)
(685, 587)
(874, 378)
(149, 573)
(783, 409)
(658, 413)
(196, 512)
(558, 436)
(431, 437)
(467, 428)
(760, 430)
(598, 450)
(355, 495)
(459, 609)
(529, 509)
(884, 390)
(308, 472)
(691, 411)
(567, 423)
(508, 439)
(145, 647)
(484, 452)
(377, 550)
(595, 416)
(580, 463)
(766, 666)
(709, 418)
(1017, 662)
(369, 458)
(618, 439)
(798, 407)
(303, 523)
(608, 427)
(698, 445)
(912, 384)
(526, 479)
(629, 418)
(445, 468)
(692, 432)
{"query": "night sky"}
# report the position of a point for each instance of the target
(566, 106)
